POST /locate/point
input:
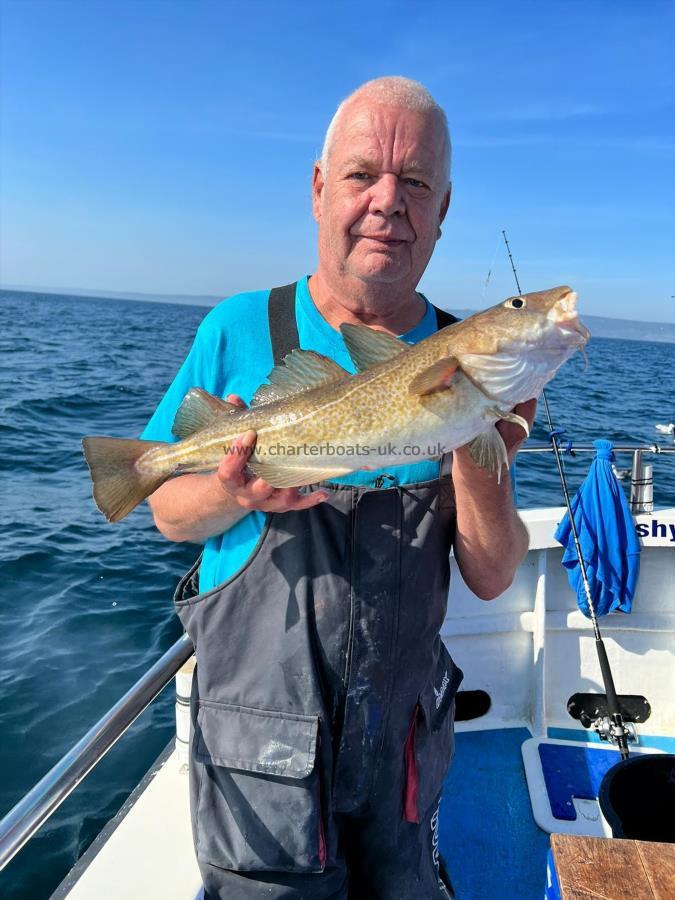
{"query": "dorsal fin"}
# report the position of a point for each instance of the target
(198, 409)
(367, 348)
(301, 370)
(267, 393)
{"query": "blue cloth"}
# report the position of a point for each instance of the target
(609, 544)
(232, 354)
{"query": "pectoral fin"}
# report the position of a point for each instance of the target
(435, 378)
(488, 450)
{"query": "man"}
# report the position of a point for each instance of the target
(323, 696)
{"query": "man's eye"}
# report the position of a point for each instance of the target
(359, 176)
(415, 182)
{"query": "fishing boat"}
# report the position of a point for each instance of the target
(534, 736)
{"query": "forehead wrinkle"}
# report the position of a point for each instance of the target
(369, 142)
(360, 160)
(416, 166)
(374, 160)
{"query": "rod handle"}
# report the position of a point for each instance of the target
(608, 680)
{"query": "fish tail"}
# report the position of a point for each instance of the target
(118, 484)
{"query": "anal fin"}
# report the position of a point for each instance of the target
(282, 476)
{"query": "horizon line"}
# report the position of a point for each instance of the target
(193, 299)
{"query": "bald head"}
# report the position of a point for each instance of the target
(397, 92)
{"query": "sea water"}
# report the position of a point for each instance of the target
(86, 606)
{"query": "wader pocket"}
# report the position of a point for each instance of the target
(258, 806)
(430, 742)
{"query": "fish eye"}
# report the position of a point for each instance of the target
(516, 303)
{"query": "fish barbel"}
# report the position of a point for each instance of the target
(314, 421)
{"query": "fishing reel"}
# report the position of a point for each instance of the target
(611, 732)
(591, 710)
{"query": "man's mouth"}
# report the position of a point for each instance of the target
(382, 239)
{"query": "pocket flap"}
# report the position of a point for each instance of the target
(256, 740)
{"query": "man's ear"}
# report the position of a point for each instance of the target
(446, 203)
(317, 189)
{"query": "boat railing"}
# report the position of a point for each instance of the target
(21, 822)
(24, 819)
(641, 477)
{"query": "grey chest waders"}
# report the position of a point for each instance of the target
(322, 699)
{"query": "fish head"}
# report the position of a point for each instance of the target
(513, 349)
(543, 317)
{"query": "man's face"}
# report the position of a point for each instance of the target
(383, 197)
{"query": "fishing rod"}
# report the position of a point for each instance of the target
(617, 731)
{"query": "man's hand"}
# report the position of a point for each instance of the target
(197, 507)
(513, 435)
(255, 493)
(490, 539)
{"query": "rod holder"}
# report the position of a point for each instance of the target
(641, 485)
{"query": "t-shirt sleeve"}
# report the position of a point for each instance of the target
(198, 370)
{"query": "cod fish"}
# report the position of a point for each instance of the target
(315, 421)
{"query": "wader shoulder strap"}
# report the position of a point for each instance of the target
(282, 322)
(444, 318)
(284, 328)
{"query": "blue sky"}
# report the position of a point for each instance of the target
(166, 145)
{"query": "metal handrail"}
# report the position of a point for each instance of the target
(589, 448)
(641, 482)
(21, 822)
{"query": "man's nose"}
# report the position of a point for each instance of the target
(386, 196)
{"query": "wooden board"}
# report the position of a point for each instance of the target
(609, 869)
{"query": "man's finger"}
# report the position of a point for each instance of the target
(289, 500)
(287, 497)
(236, 400)
(527, 410)
(231, 468)
(306, 501)
(257, 490)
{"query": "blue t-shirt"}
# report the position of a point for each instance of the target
(232, 354)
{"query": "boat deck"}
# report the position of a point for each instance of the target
(145, 851)
(488, 837)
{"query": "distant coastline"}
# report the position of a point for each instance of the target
(599, 326)
(94, 294)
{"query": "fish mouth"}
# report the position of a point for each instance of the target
(564, 314)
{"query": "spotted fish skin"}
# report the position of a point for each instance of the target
(315, 421)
